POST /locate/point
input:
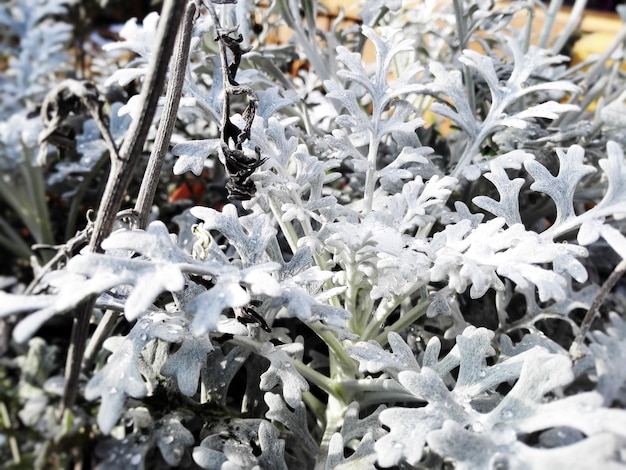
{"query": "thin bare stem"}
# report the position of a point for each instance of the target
(618, 272)
(548, 24)
(172, 99)
(572, 24)
(122, 169)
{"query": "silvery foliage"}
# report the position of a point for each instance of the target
(34, 46)
(479, 429)
(360, 231)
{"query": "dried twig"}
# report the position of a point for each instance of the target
(618, 272)
(122, 168)
(239, 166)
(170, 109)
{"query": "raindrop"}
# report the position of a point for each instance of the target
(168, 439)
(135, 459)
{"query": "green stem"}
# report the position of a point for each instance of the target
(316, 378)
(12, 241)
(385, 309)
(371, 174)
(315, 405)
(345, 364)
(286, 227)
(35, 198)
(405, 320)
(13, 445)
(41, 204)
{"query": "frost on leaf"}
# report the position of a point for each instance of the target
(494, 426)
(364, 431)
(138, 39)
(185, 364)
(193, 156)
(508, 205)
(121, 375)
(234, 444)
(172, 438)
(293, 419)
(562, 186)
(282, 372)
(476, 258)
(219, 372)
(128, 453)
(373, 358)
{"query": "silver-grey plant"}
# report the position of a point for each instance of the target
(401, 275)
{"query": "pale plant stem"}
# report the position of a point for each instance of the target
(593, 75)
(286, 227)
(103, 331)
(548, 24)
(485, 128)
(384, 310)
(315, 405)
(405, 320)
(337, 350)
(573, 22)
(350, 298)
(321, 261)
(315, 377)
(311, 53)
(335, 414)
(376, 387)
(371, 174)
(462, 33)
(528, 28)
